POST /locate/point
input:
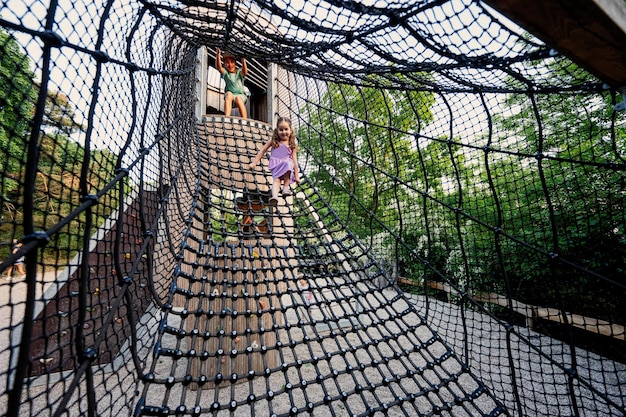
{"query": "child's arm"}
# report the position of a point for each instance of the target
(260, 154)
(296, 173)
(218, 61)
(244, 67)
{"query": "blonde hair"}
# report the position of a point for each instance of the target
(292, 137)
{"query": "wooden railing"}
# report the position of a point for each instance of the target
(533, 313)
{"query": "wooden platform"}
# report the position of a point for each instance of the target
(231, 297)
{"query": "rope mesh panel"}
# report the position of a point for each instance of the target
(456, 246)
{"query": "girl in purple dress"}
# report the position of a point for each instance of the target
(283, 159)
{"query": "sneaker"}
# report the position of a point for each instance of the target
(273, 201)
(287, 191)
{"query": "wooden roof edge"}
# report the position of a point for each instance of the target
(591, 33)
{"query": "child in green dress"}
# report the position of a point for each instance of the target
(234, 78)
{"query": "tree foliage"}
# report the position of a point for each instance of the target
(60, 157)
(17, 95)
(540, 176)
(363, 142)
(563, 198)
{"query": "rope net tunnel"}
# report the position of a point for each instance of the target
(455, 246)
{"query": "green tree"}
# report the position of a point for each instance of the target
(17, 95)
(60, 157)
(362, 143)
(59, 114)
(576, 208)
(18, 92)
(58, 153)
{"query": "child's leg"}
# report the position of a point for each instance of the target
(228, 103)
(275, 187)
(286, 182)
(242, 107)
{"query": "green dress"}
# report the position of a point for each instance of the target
(234, 84)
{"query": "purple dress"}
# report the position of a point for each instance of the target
(281, 162)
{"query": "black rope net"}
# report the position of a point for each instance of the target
(455, 247)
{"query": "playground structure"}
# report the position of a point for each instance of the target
(161, 282)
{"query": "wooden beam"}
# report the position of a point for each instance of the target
(589, 324)
(531, 312)
(591, 33)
